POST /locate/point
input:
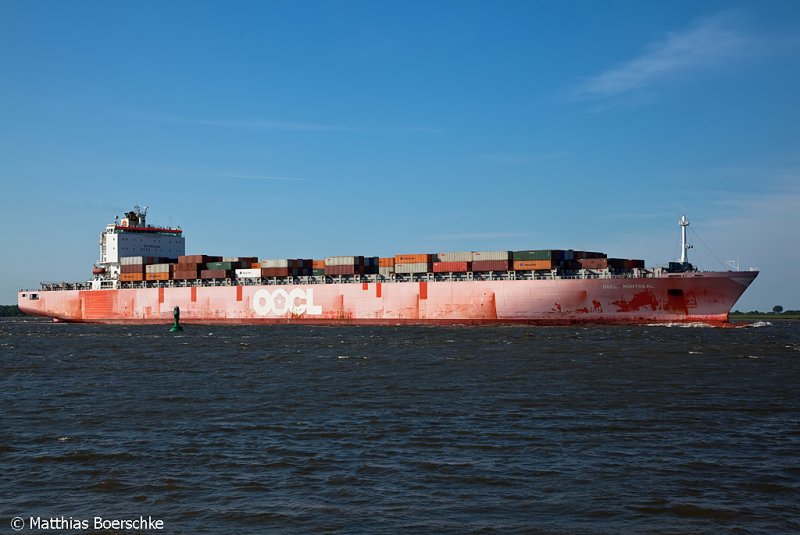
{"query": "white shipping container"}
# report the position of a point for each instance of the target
(277, 263)
(417, 267)
(157, 268)
(463, 256)
(344, 260)
(386, 271)
(491, 255)
(252, 273)
(134, 260)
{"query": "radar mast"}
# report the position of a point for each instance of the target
(684, 245)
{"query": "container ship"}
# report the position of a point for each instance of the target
(143, 274)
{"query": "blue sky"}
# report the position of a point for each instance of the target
(310, 129)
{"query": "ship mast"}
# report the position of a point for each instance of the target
(684, 246)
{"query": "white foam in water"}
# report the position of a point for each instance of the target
(695, 324)
(756, 324)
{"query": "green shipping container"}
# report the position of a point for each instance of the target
(541, 254)
(223, 265)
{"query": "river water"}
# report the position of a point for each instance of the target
(400, 429)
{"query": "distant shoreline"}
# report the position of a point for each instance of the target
(10, 311)
(765, 316)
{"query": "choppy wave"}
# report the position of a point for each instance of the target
(603, 429)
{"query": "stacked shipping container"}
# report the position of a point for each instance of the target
(386, 266)
(539, 260)
(189, 267)
(490, 260)
(344, 265)
(459, 262)
(135, 268)
(286, 267)
(158, 272)
(617, 264)
(413, 263)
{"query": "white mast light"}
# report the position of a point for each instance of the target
(684, 246)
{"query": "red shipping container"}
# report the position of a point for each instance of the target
(215, 274)
(276, 272)
(344, 270)
(185, 275)
(451, 267)
(593, 263)
(490, 265)
(187, 268)
(132, 268)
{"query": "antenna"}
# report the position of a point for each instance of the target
(137, 216)
(684, 246)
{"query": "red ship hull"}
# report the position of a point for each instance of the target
(686, 297)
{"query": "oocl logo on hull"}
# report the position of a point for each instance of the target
(279, 302)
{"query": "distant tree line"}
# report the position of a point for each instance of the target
(7, 311)
(778, 310)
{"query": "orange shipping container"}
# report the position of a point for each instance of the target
(386, 262)
(412, 258)
(157, 276)
(533, 265)
(131, 277)
(318, 264)
(453, 267)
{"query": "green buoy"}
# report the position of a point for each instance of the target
(176, 326)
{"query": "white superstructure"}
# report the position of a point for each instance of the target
(133, 237)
